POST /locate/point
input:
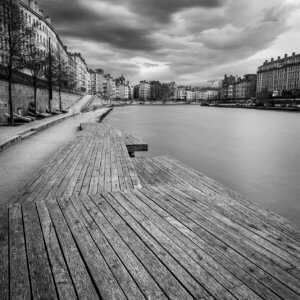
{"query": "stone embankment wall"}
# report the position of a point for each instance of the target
(23, 95)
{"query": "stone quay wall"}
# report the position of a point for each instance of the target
(23, 95)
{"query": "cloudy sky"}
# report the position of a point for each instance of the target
(187, 41)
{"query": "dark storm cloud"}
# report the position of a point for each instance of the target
(119, 37)
(169, 39)
(161, 10)
(73, 19)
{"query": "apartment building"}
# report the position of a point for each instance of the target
(82, 74)
(280, 75)
(145, 90)
(45, 35)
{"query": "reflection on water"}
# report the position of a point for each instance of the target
(253, 152)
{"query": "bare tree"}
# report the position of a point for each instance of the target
(16, 33)
(60, 73)
(34, 60)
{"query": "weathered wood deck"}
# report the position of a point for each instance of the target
(94, 224)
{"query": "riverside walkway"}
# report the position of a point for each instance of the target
(96, 224)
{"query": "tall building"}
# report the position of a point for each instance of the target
(181, 93)
(109, 87)
(245, 88)
(228, 87)
(97, 81)
(45, 35)
(280, 75)
(82, 74)
(145, 90)
(235, 87)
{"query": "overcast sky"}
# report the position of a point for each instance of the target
(187, 41)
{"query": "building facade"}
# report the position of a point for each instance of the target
(235, 87)
(82, 74)
(145, 90)
(280, 75)
(245, 88)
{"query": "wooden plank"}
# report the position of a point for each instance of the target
(107, 177)
(93, 187)
(106, 283)
(101, 182)
(237, 203)
(231, 227)
(4, 253)
(201, 275)
(133, 144)
(122, 161)
(85, 162)
(167, 282)
(71, 187)
(40, 173)
(269, 263)
(247, 272)
(265, 235)
(252, 228)
(42, 284)
(206, 261)
(122, 275)
(19, 273)
(91, 166)
(121, 176)
(183, 276)
(274, 219)
(60, 271)
(61, 181)
(81, 279)
(44, 185)
(114, 169)
(135, 267)
(134, 178)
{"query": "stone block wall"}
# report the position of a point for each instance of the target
(23, 95)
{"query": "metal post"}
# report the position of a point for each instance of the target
(50, 74)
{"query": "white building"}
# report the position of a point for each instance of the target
(83, 79)
(279, 75)
(181, 93)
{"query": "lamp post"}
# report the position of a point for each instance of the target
(50, 74)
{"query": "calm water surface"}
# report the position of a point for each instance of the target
(256, 153)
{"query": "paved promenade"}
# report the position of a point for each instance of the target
(96, 224)
(11, 135)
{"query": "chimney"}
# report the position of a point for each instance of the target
(293, 54)
(272, 59)
(278, 57)
(285, 55)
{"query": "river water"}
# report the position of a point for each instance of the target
(256, 153)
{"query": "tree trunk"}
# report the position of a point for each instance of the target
(59, 93)
(10, 99)
(35, 93)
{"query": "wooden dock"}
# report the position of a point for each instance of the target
(96, 224)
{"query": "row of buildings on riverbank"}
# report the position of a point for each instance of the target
(84, 80)
(232, 87)
(274, 79)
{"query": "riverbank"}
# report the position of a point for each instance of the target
(289, 109)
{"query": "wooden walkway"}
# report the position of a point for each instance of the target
(95, 224)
